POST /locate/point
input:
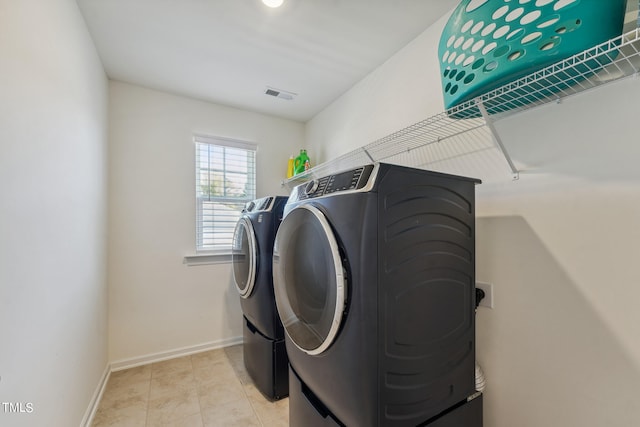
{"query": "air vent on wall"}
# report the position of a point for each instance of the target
(278, 93)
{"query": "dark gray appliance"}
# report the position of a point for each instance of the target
(308, 411)
(265, 355)
(374, 275)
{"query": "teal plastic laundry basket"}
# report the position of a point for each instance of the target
(489, 43)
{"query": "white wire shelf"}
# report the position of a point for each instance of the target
(440, 141)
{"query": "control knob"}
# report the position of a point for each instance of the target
(311, 187)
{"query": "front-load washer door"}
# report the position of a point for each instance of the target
(244, 254)
(309, 279)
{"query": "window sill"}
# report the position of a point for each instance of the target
(207, 259)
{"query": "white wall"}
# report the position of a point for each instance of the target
(403, 91)
(560, 245)
(53, 175)
(156, 303)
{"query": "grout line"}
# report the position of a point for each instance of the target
(243, 386)
(146, 420)
(255, 413)
(197, 391)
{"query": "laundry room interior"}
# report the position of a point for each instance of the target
(105, 277)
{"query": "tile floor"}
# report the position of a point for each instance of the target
(203, 390)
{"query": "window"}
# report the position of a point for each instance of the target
(225, 181)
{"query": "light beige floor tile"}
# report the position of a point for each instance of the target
(244, 377)
(272, 410)
(275, 423)
(173, 407)
(190, 421)
(214, 373)
(171, 367)
(125, 395)
(267, 410)
(234, 352)
(130, 376)
(209, 358)
(278, 414)
(131, 416)
(251, 391)
(235, 356)
(206, 389)
(217, 393)
(238, 413)
(167, 385)
(236, 360)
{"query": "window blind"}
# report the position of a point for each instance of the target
(225, 182)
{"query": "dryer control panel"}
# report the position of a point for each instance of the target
(352, 180)
(265, 204)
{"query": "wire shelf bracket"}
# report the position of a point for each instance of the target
(459, 127)
(515, 174)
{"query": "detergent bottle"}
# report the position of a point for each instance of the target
(301, 163)
(290, 167)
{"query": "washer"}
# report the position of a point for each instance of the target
(374, 275)
(263, 335)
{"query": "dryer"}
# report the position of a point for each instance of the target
(374, 275)
(263, 335)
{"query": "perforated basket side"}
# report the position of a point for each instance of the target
(488, 43)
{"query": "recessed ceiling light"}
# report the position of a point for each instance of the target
(273, 3)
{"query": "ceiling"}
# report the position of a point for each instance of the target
(230, 51)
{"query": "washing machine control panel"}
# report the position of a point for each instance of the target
(351, 180)
(264, 204)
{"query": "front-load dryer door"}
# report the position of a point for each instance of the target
(309, 279)
(244, 254)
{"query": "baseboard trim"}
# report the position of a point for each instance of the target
(95, 399)
(119, 365)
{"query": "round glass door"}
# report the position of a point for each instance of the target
(244, 256)
(309, 279)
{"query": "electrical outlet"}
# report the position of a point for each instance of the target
(487, 301)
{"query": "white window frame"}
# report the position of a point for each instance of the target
(203, 248)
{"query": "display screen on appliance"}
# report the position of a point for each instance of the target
(344, 181)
